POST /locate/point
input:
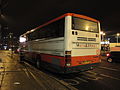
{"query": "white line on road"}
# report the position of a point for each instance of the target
(64, 83)
(91, 75)
(92, 78)
(82, 79)
(109, 76)
(35, 78)
(60, 81)
(26, 72)
(92, 72)
(109, 68)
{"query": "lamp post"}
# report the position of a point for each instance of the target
(117, 38)
(102, 35)
(103, 40)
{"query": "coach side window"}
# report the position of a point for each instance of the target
(53, 30)
(57, 28)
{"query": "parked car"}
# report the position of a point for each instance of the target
(113, 56)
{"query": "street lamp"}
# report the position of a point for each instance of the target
(117, 37)
(101, 32)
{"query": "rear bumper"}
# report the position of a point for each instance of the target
(65, 70)
(81, 68)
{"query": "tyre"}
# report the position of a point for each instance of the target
(110, 60)
(38, 63)
(21, 58)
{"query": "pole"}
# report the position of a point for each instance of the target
(117, 40)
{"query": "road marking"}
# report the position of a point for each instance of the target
(82, 79)
(92, 72)
(26, 72)
(63, 83)
(34, 77)
(109, 68)
(109, 76)
(92, 78)
(71, 81)
(60, 81)
(91, 75)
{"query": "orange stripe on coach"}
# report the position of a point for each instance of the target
(79, 59)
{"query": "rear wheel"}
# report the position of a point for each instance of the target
(110, 60)
(38, 63)
(21, 58)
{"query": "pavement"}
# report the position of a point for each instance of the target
(16, 76)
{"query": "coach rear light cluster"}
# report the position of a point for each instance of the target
(68, 52)
(68, 60)
(108, 54)
(68, 64)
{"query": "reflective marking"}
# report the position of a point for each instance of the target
(81, 79)
(109, 76)
(109, 68)
(16, 83)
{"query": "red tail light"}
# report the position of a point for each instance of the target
(108, 54)
(68, 60)
(18, 50)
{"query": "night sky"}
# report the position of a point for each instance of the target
(23, 15)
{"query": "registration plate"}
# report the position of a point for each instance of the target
(85, 62)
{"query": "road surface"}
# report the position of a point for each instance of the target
(16, 76)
